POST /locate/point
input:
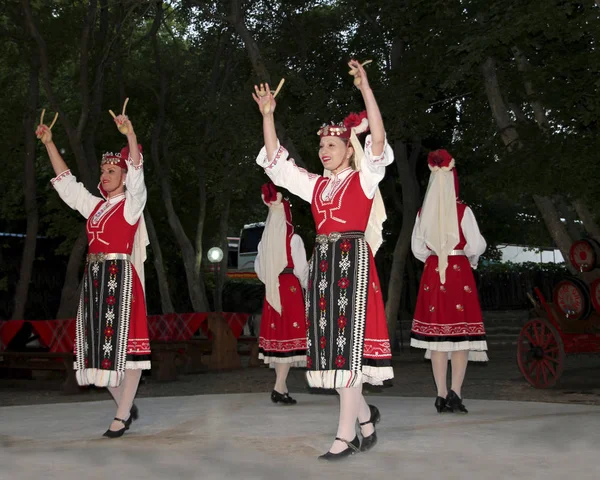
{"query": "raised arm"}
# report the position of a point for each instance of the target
(72, 192)
(135, 187)
(274, 158)
(373, 113)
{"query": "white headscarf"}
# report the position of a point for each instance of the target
(439, 216)
(272, 251)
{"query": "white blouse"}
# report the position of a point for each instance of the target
(285, 173)
(298, 257)
(76, 196)
(474, 247)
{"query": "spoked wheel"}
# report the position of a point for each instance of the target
(540, 353)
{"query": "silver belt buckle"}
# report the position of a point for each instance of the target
(334, 236)
(97, 257)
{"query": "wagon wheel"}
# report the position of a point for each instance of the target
(540, 353)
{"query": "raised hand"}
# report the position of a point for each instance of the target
(122, 121)
(264, 99)
(360, 75)
(44, 132)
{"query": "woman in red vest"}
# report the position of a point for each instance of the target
(447, 321)
(281, 265)
(112, 345)
(348, 341)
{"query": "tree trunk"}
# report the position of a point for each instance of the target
(565, 211)
(223, 227)
(512, 141)
(507, 130)
(163, 282)
(586, 216)
(28, 257)
(201, 219)
(69, 297)
(555, 227)
(410, 202)
(538, 110)
(197, 294)
(236, 19)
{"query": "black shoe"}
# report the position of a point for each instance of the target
(118, 433)
(284, 398)
(134, 413)
(441, 405)
(454, 403)
(353, 447)
(369, 442)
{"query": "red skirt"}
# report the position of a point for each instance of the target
(448, 317)
(282, 336)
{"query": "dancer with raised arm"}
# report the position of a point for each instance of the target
(112, 345)
(348, 341)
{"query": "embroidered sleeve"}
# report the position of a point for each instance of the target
(372, 170)
(135, 191)
(285, 173)
(417, 243)
(299, 259)
(476, 244)
(74, 193)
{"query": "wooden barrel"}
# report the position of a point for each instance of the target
(585, 255)
(572, 297)
(595, 294)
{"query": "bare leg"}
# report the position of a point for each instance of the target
(459, 361)
(350, 402)
(439, 364)
(116, 393)
(281, 372)
(129, 389)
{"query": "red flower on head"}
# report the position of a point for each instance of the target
(106, 363)
(343, 282)
(340, 361)
(269, 192)
(354, 119)
(109, 331)
(308, 362)
(342, 320)
(111, 299)
(439, 158)
(322, 303)
(113, 269)
(345, 246)
(324, 265)
(322, 342)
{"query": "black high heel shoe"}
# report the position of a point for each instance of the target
(441, 405)
(353, 447)
(369, 442)
(454, 403)
(118, 433)
(284, 398)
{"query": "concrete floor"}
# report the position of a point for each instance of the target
(246, 436)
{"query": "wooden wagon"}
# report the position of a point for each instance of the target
(567, 325)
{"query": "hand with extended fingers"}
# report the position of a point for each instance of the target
(359, 73)
(265, 98)
(122, 121)
(44, 132)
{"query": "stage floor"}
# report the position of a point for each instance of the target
(246, 436)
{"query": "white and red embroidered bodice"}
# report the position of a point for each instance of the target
(112, 223)
(340, 202)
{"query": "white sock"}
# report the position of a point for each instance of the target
(281, 372)
(350, 401)
(128, 388)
